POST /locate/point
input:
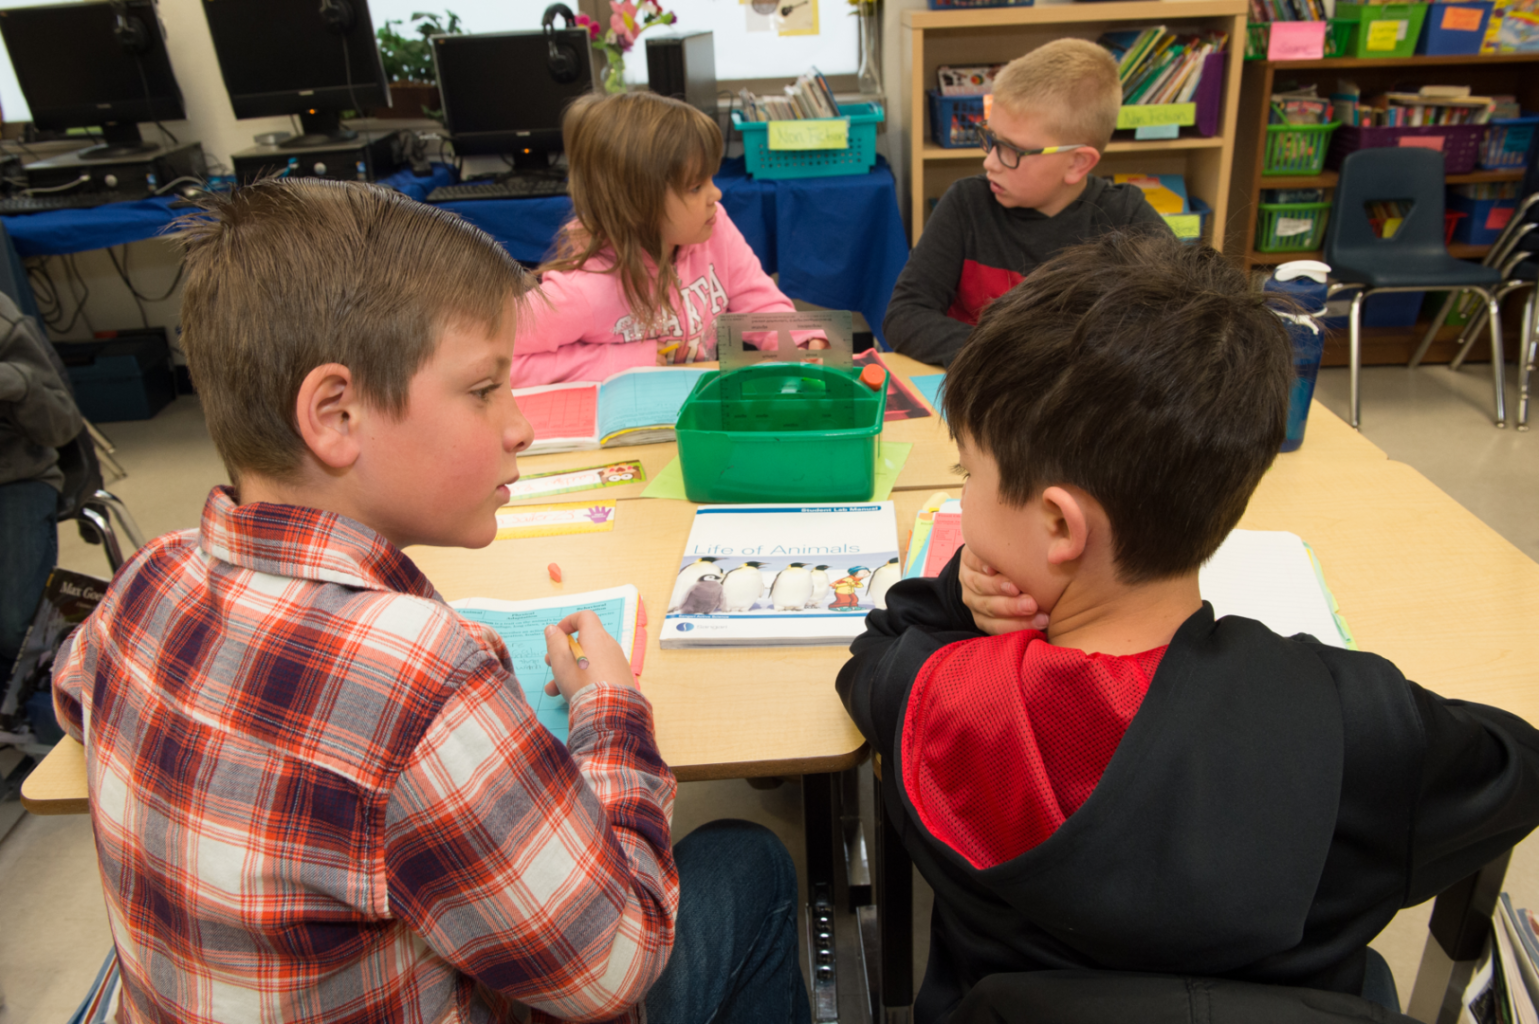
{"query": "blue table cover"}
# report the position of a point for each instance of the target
(837, 241)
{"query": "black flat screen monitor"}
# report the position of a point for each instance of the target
(500, 98)
(313, 58)
(82, 65)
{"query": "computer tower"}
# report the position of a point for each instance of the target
(684, 67)
(132, 172)
(368, 158)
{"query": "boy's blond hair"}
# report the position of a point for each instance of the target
(1072, 83)
(287, 275)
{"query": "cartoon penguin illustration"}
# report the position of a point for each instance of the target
(819, 575)
(704, 597)
(687, 577)
(741, 587)
(847, 589)
(884, 577)
(792, 588)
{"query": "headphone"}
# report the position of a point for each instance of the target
(337, 16)
(128, 29)
(562, 61)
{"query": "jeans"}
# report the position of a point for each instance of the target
(29, 547)
(734, 951)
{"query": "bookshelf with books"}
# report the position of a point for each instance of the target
(985, 36)
(1510, 74)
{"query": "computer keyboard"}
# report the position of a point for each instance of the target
(521, 187)
(12, 205)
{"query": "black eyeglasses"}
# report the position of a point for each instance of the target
(1010, 155)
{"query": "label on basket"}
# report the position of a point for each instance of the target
(1460, 19)
(824, 133)
(1498, 218)
(1287, 227)
(1384, 35)
(1296, 40)
(1185, 225)
(1422, 142)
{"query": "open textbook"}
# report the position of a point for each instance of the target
(521, 624)
(1269, 576)
(1504, 988)
(637, 406)
(775, 575)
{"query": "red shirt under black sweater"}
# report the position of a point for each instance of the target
(973, 250)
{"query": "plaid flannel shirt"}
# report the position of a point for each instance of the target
(318, 794)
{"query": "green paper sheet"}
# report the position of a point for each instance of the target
(669, 481)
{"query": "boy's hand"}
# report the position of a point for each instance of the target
(998, 606)
(606, 662)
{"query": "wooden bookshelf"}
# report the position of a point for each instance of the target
(999, 34)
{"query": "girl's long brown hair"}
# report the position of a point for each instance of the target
(625, 152)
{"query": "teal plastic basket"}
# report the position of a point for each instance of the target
(771, 164)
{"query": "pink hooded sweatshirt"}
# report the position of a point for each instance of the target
(583, 329)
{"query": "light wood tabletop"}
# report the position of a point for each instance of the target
(1401, 557)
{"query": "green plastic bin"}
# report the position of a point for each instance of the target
(780, 164)
(1338, 34)
(1366, 41)
(1290, 227)
(784, 432)
(1297, 148)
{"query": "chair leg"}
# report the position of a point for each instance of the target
(1469, 336)
(1526, 354)
(1498, 370)
(1437, 321)
(102, 524)
(1354, 335)
(125, 518)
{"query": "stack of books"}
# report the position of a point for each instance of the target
(809, 97)
(1434, 105)
(1157, 66)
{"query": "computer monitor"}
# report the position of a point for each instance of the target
(313, 58)
(82, 65)
(500, 95)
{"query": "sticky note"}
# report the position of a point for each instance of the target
(1296, 40)
(1157, 131)
(826, 133)
(1461, 19)
(1186, 225)
(1383, 35)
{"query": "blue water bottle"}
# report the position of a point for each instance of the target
(1305, 282)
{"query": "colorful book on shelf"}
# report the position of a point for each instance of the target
(521, 624)
(781, 575)
(637, 406)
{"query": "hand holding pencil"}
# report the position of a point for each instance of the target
(576, 665)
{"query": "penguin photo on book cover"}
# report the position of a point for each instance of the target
(792, 588)
(884, 577)
(704, 596)
(687, 578)
(819, 574)
(742, 587)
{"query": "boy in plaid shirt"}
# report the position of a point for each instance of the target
(317, 793)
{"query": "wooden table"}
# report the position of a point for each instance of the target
(1401, 557)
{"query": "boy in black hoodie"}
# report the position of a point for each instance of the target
(1089, 769)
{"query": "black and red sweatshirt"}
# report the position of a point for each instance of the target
(973, 251)
(1236, 804)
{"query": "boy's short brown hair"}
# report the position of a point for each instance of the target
(287, 275)
(1072, 83)
(1144, 371)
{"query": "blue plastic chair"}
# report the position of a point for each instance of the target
(1414, 259)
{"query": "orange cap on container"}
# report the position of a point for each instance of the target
(873, 377)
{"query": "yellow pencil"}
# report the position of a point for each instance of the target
(577, 651)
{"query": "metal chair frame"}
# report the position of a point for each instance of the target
(99, 511)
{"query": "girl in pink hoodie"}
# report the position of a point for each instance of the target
(649, 260)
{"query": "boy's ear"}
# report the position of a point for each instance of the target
(1068, 525)
(1081, 164)
(327, 413)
